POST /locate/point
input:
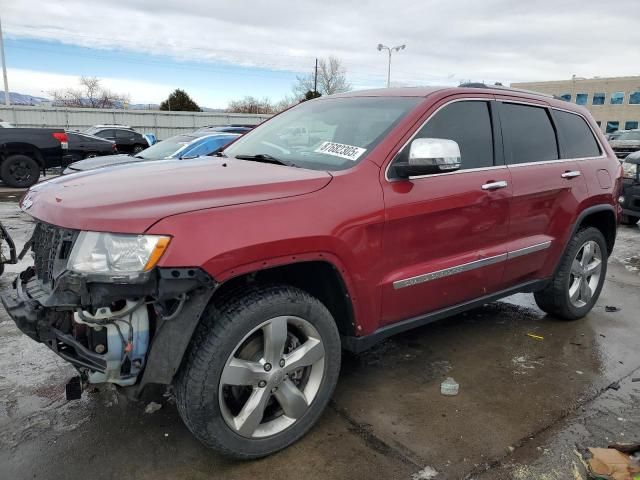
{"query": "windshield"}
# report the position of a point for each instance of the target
(166, 148)
(325, 134)
(629, 136)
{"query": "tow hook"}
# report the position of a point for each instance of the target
(73, 388)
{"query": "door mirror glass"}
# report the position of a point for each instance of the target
(428, 156)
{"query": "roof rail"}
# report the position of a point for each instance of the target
(502, 87)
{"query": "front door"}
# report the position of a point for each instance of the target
(446, 232)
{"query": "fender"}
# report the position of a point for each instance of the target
(327, 257)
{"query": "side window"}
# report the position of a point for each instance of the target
(204, 147)
(110, 134)
(469, 124)
(576, 138)
(124, 135)
(528, 133)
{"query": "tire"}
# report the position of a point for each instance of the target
(629, 220)
(19, 171)
(233, 330)
(138, 148)
(570, 278)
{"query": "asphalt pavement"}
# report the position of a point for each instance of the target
(527, 409)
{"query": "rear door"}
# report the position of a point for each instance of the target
(108, 134)
(547, 190)
(445, 233)
(125, 139)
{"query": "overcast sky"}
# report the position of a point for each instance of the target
(225, 50)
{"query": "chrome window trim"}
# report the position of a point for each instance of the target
(542, 104)
(548, 162)
(417, 177)
(465, 267)
(480, 169)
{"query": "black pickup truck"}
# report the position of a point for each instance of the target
(25, 152)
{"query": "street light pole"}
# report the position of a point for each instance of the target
(390, 50)
(7, 101)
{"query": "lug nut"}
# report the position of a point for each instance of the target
(267, 367)
(282, 362)
(99, 348)
(274, 389)
(262, 384)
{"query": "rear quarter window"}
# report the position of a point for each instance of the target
(575, 135)
(528, 133)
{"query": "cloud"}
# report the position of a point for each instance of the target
(40, 84)
(492, 40)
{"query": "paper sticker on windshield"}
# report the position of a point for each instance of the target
(340, 150)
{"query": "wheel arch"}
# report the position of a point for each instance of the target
(602, 217)
(320, 278)
(20, 148)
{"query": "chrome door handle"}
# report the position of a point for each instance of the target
(494, 185)
(572, 174)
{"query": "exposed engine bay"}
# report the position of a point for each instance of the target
(120, 337)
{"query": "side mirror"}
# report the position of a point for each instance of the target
(428, 156)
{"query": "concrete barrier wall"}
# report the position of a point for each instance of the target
(162, 124)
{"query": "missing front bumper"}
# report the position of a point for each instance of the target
(47, 316)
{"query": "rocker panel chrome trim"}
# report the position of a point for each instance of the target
(465, 267)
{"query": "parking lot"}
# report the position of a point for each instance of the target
(527, 408)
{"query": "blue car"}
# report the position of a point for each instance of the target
(189, 145)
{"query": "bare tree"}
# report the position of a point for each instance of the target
(250, 104)
(332, 78)
(285, 103)
(90, 95)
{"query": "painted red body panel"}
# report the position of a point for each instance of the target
(248, 216)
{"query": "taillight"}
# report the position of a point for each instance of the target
(62, 138)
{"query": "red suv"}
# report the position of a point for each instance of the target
(240, 279)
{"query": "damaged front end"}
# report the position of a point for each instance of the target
(97, 301)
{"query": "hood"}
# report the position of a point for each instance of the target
(131, 198)
(105, 160)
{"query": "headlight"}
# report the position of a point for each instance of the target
(116, 253)
(630, 169)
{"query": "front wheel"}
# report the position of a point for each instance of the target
(138, 148)
(260, 370)
(577, 283)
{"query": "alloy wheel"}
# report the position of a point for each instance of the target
(272, 377)
(20, 171)
(585, 274)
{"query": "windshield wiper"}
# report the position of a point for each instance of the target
(265, 158)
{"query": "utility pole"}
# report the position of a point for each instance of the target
(7, 101)
(390, 50)
(315, 80)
